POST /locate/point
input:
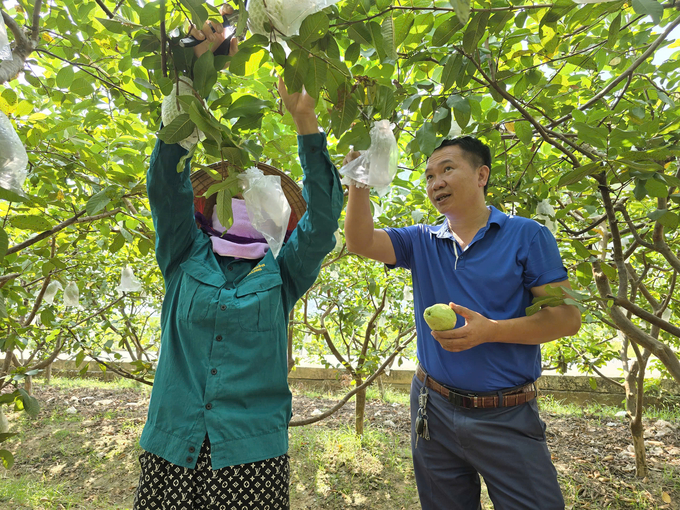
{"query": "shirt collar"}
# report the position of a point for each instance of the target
(496, 217)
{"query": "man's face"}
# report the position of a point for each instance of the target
(452, 181)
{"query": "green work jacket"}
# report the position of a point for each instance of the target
(222, 368)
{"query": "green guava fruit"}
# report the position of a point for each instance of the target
(440, 317)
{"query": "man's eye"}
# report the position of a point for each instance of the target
(448, 168)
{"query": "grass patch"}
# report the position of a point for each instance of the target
(27, 492)
(548, 403)
(118, 383)
(335, 468)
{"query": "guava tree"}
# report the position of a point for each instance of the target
(578, 101)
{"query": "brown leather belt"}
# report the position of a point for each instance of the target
(511, 397)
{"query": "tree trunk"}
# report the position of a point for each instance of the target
(28, 384)
(4, 424)
(48, 374)
(634, 407)
(360, 408)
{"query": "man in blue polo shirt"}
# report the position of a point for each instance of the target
(473, 406)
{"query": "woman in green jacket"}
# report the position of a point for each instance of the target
(216, 435)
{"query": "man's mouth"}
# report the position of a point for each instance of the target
(442, 197)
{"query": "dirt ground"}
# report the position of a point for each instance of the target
(84, 446)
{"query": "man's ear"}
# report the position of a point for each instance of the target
(484, 172)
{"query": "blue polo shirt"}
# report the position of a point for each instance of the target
(494, 277)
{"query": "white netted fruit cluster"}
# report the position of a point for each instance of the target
(258, 15)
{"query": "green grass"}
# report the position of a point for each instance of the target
(28, 493)
(548, 403)
(93, 383)
(340, 469)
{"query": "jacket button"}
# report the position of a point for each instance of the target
(219, 338)
(192, 449)
(230, 268)
(213, 371)
(208, 407)
(190, 459)
(223, 307)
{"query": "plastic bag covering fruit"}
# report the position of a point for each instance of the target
(71, 294)
(13, 158)
(440, 317)
(5, 48)
(267, 206)
(377, 166)
(171, 108)
(51, 291)
(284, 15)
(545, 212)
(128, 282)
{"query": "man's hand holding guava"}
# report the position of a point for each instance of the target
(477, 330)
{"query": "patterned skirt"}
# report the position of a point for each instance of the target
(261, 485)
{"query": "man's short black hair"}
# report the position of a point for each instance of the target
(478, 153)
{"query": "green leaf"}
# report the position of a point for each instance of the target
(3, 308)
(97, 202)
(151, 14)
(609, 272)
(203, 122)
(524, 132)
(426, 137)
(315, 77)
(246, 105)
(444, 32)
(359, 32)
(223, 208)
(205, 75)
(462, 8)
(81, 87)
(278, 53)
(31, 404)
(79, 358)
(650, 8)
(475, 31)
(65, 77)
(593, 383)
(579, 174)
(7, 459)
(581, 250)
(593, 135)
(7, 435)
(461, 109)
(313, 28)
(559, 9)
(227, 183)
(343, 115)
(4, 243)
(656, 188)
(402, 27)
(31, 222)
(199, 14)
(177, 130)
(538, 303)
(613, 33)
(452, 69)
(389, 41)
(295, 70)
(353, 52)
(640, 192)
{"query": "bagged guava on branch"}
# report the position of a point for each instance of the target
(284, 16)
(377, 166)
(128, 282)
(5, 48)
(72, 294)
(13, 157)
(267, 206)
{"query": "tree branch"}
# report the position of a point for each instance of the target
(367, 382)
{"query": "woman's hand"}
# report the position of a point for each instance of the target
(301, 107)
(351, 156)
(212, 35)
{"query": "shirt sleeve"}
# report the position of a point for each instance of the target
(314, 237)
(402, 242)
(543, 262)
(171, 198)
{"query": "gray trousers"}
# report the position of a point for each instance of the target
(505, 445)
